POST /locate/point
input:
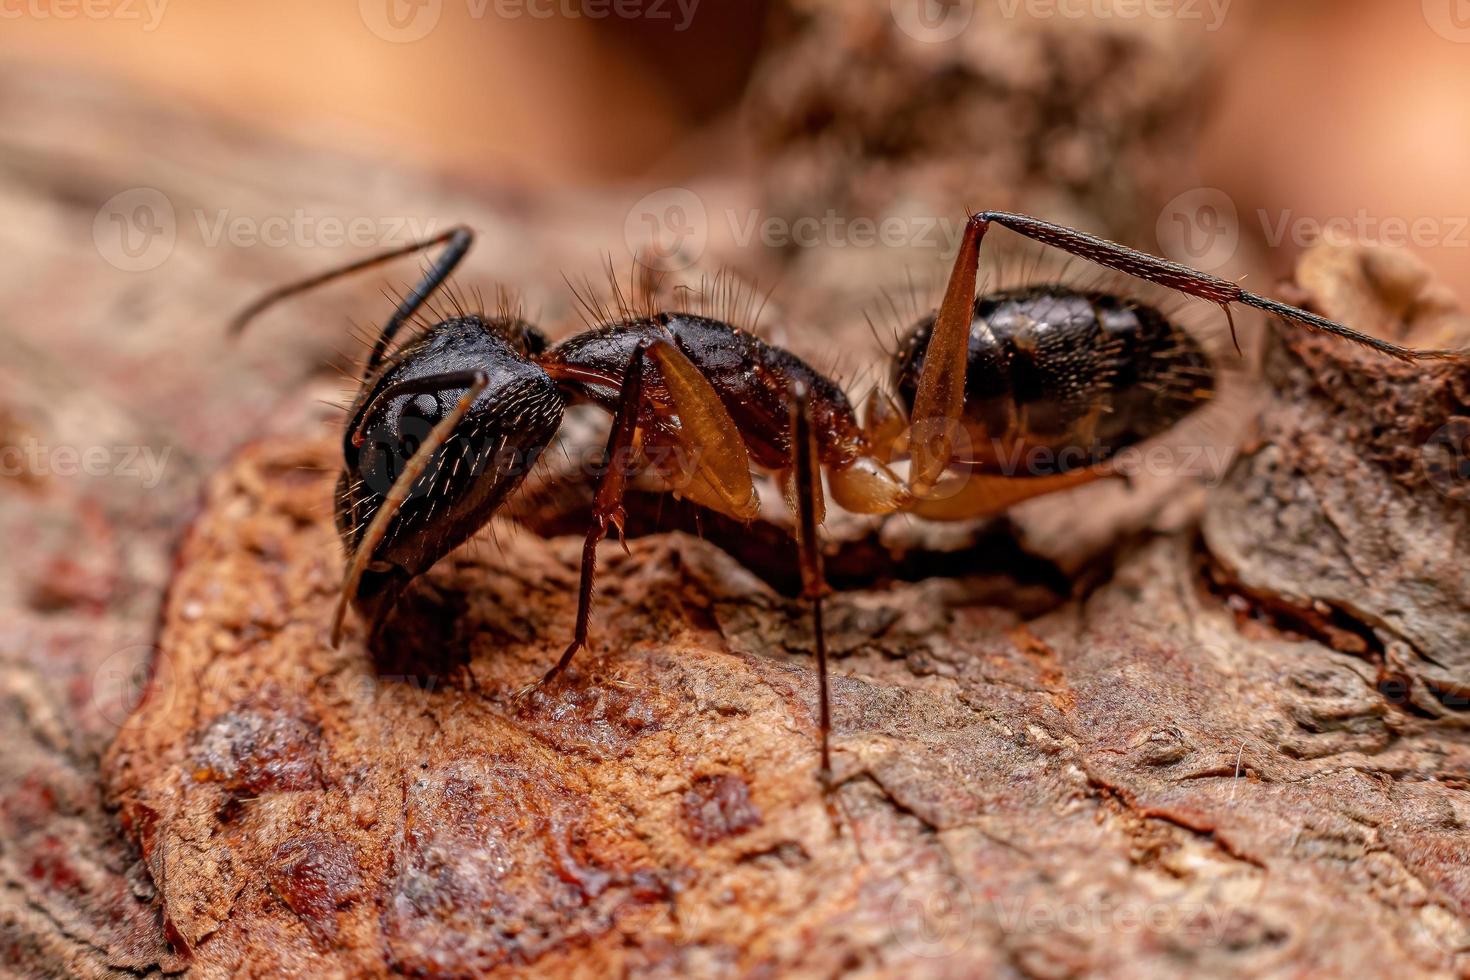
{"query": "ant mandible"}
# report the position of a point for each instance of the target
(472, 401)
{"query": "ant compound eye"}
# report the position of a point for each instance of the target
(390, 439)
(420, 408)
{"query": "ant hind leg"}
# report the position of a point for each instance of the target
(1191, 282)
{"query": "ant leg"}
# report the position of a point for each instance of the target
(1189, 281)
(399, 491)
(813, 582)
(940, 397)
(458, 240)
(607, 506)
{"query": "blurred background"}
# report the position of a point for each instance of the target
(1347, 109)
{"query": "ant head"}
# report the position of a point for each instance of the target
(484, 457)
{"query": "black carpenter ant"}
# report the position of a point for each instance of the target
(444, 428)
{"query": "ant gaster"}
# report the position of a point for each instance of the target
(444, 428)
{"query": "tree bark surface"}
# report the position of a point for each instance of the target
(1146, 732)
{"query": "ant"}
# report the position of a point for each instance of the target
(445, 428)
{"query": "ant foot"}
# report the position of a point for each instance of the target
(550, 676)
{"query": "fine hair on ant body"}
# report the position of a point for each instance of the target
(444, 428)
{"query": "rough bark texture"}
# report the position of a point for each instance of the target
(1094, 740)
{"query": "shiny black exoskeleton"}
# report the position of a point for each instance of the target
(1083, 374)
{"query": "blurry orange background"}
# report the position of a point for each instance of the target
(1325, 107)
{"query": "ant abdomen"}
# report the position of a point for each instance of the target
(1059, 378)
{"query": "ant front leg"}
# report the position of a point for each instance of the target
(607, 505)
(703, 430)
